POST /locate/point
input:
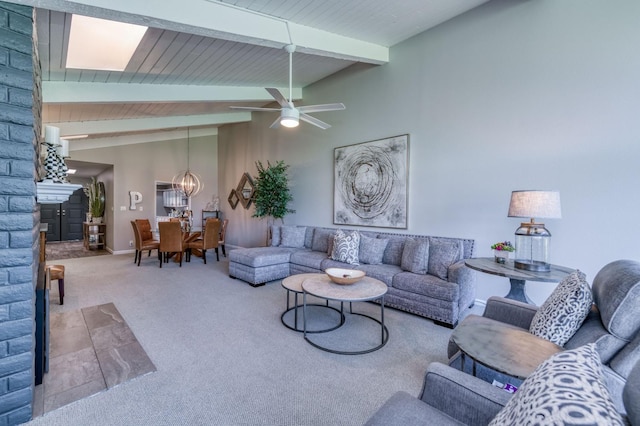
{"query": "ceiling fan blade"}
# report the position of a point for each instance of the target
(312, 120)
(323, 107)
(275, 124)
(254, 108)
(278, 96)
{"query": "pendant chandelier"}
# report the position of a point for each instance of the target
(187, 182)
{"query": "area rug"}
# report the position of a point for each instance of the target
(57, 250)
(92, 350)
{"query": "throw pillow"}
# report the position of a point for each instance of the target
(345, 247)
(320, 241)
(275, 236)
(565, 309)
(292, 236)
(566, 389)
(415, 256)
(443, 254)
(372, 250)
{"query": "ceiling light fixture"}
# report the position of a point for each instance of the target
(99, 44)
(289, 117)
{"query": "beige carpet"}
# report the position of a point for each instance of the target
(224, 358)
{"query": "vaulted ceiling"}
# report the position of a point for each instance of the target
(199, 57)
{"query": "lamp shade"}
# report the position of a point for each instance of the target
(532, 204)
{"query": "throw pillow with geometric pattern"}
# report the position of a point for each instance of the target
(566, 389)
(345, 247)
(565, 309)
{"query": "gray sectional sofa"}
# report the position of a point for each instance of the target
(426, 275)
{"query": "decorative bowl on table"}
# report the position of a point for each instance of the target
(344, 276)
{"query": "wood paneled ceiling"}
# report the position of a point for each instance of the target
(198, 57)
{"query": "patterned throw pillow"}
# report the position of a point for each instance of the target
(345, 247)
(566, 389)
(443, 254)
(415, 256)
(372, 250)
(292, 236)
(565, 309)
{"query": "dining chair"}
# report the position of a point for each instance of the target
(223, 233)
(170, 241)
(209, 240)
(143, 238)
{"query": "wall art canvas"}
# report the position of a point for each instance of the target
(370, 183)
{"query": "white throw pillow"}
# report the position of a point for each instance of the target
(345, 247)
(562, 314)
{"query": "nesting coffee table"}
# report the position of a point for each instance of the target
(367, 289)
(293, 284)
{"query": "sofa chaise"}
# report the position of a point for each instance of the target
(426, 275)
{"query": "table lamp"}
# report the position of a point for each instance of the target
(532, 239)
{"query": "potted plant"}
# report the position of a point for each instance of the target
(271, 195)
(501, 251)
(95, 193)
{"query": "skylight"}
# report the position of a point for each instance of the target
(98, 44)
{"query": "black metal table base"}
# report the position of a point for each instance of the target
(295, 308)
(384, 332)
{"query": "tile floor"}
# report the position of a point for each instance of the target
(91, 350)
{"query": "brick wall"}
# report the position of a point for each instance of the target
(19, 216)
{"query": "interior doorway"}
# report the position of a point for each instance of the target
(65, 220)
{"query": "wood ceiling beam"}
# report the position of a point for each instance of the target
(227, 22)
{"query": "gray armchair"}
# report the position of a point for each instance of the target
(613, 324)
(451, 397)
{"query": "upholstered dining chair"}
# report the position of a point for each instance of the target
(209, 240)
(170, 241)
(143, 238)
(223, 234)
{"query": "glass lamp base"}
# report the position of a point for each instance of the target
(532, 265)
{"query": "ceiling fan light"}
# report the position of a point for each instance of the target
(289, 117)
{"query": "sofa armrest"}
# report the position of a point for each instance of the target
(510, 311)
(465, 398)
(465, 277)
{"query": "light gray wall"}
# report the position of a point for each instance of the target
(513, 95)
(136, 167)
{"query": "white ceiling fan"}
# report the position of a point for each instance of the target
(289, 114)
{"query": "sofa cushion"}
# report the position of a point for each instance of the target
(427, 285)
(384, 273)
(616, 292)
(346, 246)
(393, 253)
(560, 316)
(292, 236)
(257, 257)
(443, 254)
(275, 236)
(320, 241)
(415, 256)
(308, 258)
(371, 249)
(567, 388)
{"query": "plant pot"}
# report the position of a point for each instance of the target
(96, 220)
(501, 256)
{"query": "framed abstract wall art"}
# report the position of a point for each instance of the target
(371, 183)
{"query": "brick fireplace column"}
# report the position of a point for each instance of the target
(19, 213)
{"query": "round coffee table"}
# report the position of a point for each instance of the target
(367, 289)
(293, 284)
